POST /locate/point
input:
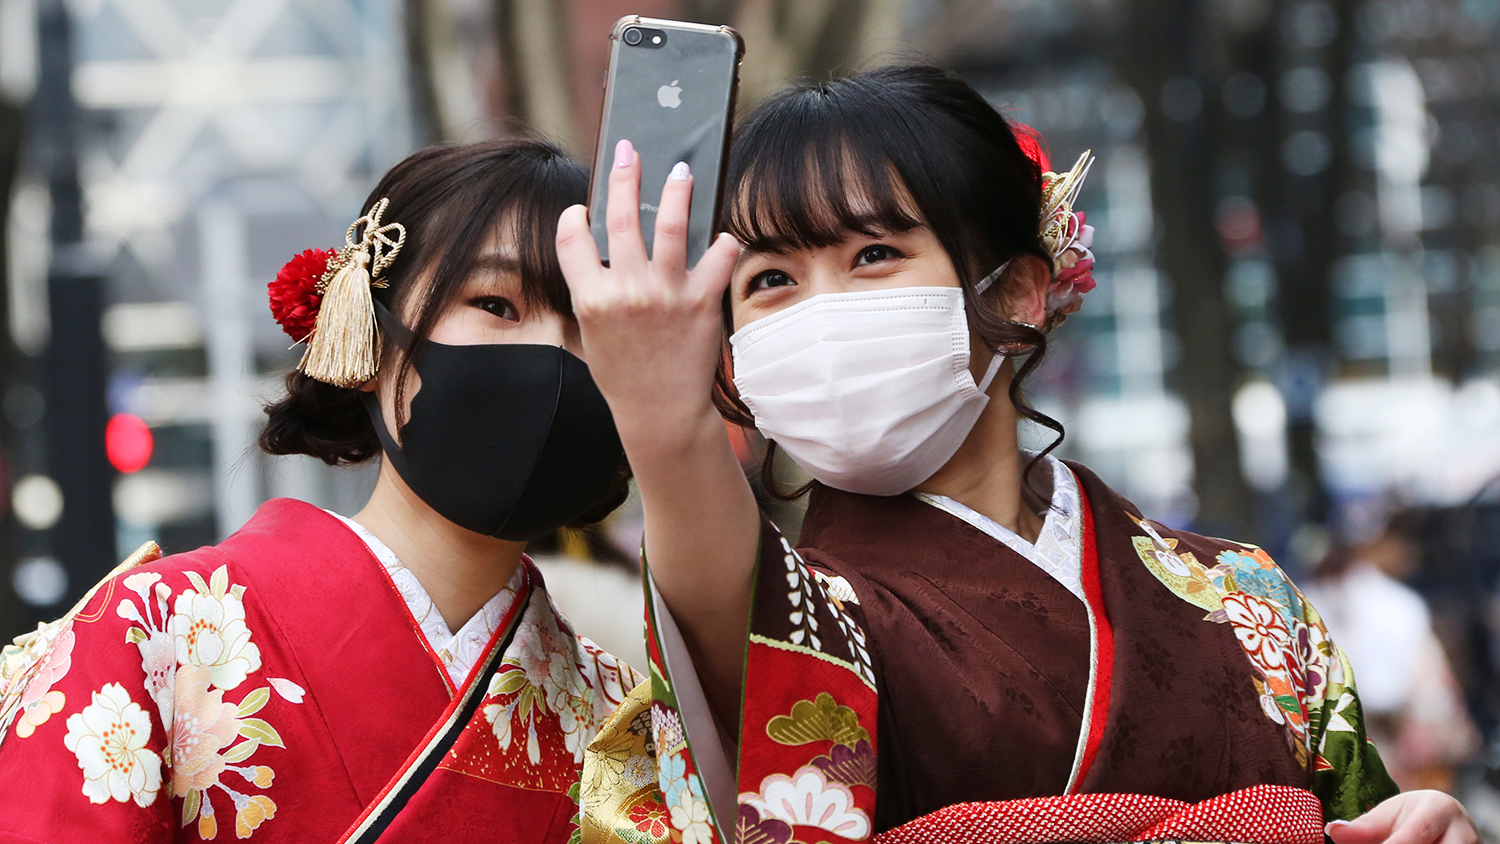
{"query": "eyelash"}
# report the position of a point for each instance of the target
(755, 283)
(893, 253)
(508, 312)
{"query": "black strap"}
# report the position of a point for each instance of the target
(412, 777)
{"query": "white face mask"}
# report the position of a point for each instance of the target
(870, 391)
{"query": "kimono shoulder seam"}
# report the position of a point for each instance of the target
(756, 638)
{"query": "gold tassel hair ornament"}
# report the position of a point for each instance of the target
(344, 347)
(1068, 239)
(1061, 227)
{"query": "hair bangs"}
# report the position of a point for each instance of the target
(528, 218)
(808, 184)
(467, 195)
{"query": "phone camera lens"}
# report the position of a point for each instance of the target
(633, 36)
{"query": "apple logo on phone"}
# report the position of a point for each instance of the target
(670, 96)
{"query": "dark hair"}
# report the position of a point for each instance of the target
(889, 150)
(450, 199)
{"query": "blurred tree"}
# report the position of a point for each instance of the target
(1172, 53)
(485, 67)
(803, 38)
(480, 67)
(1305, 241)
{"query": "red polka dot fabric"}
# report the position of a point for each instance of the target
(1264, 814)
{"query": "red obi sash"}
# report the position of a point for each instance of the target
(1263, 814)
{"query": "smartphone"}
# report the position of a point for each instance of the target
(671, 92)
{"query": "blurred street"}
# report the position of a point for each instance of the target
(1295, 340)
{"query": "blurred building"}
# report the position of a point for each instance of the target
(213, 141)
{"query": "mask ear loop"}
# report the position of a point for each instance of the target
(1000, 357)
(989, 280)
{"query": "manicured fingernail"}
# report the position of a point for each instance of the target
(680, 171)
(624, 153)
(1332, 825)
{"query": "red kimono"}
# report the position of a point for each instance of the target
(275, 687)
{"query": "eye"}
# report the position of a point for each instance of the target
(875, 254)
(501, 308)
(769, 279)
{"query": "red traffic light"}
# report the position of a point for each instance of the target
(128, 442)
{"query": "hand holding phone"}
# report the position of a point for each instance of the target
(671, 92)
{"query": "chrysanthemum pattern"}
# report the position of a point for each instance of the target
(809, 798)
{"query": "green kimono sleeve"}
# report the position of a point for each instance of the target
(1348, 775)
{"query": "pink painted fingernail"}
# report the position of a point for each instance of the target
(680, 171)
(624, 153)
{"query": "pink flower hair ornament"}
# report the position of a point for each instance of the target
(1068, 239)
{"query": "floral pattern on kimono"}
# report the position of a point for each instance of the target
(1304, 681)
(808, 750)
(195, 646)
(544, 703)
(806, 762)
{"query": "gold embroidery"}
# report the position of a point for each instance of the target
(622, 800)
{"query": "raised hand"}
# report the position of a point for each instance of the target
(651, 327)
(652, 334)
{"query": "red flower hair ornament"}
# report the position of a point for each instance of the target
(294, 292)
(322, 297)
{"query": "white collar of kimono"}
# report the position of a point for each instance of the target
(1058, 549)
(460, 651)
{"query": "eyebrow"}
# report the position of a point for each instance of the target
(498, 262)
(861, 225)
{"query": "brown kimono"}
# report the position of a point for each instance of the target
(901, 661)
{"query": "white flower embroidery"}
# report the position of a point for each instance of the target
(153, 639)
(690, 817)
(807, 798)
(209, 628)
(109, 738)
(191, 657)
(639, 771)
(549, 658)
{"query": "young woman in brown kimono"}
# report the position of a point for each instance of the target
(969, 642)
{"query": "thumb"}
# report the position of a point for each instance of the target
(576, 252)
(1372, 827)
(717, 264)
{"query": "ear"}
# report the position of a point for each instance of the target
(1022, 293)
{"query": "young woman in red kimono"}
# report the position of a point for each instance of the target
(969, 643)
(400, 674)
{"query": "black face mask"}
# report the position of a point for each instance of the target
(508, 440)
